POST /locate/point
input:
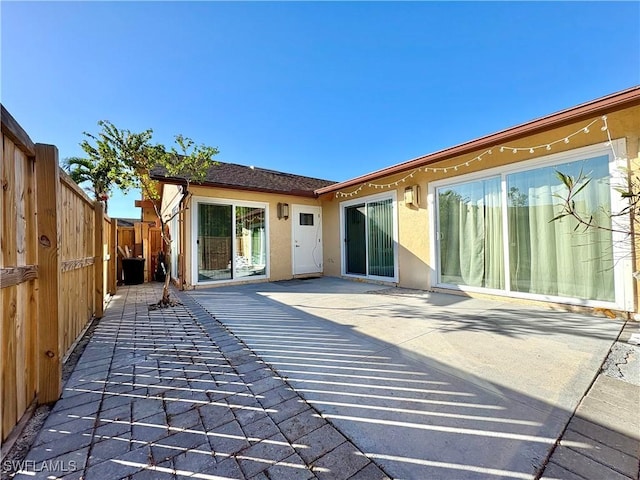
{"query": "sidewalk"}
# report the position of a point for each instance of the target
(606, 423)
(170, 394)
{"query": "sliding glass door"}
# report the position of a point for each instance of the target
(214, 242)
(471, 251)
(250, 246)
(559, 258)
(231, 242)
(369, 238)
(356, 240)
(497, 233)
(381, 244)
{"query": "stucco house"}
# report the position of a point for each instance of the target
(243, 224)
(473, 219)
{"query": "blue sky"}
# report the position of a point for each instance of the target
(328, 89)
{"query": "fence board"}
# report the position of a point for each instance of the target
(17, 280)
(106, 248)
(126, 237)
(9, 218)
(13, 132)
(52, 249)
(77, 261)
(99, 264)
(113, 256)
(49, 307)
(9, 386)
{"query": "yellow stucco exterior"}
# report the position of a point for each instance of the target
(279, 230)
(415, 251)
(414, 245)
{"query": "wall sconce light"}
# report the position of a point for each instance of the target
(283, 211)
(412, 196)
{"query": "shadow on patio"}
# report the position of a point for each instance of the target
(416, 416)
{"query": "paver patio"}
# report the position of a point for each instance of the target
(171, 394)
(333, 379)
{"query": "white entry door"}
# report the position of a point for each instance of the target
(307, 239)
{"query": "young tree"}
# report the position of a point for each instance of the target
(133, 156)
(630, 193)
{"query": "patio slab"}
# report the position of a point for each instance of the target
(335, 379)
(427, 385)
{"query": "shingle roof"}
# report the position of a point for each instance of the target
(127, 222)
(241, 177)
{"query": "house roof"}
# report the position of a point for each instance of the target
(241, 177)
(615, 101)
(127, 222)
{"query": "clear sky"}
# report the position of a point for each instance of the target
(329, 89)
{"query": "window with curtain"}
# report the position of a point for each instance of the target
(470, 234)
(543, 257)
(555, 258)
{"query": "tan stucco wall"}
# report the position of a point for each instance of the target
(280, 231)
(413, 223)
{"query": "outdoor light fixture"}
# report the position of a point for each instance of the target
(412, 196)
(283, 211)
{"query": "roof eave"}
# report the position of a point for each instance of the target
(616, 101)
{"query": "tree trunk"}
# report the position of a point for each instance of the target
(165, 301)
(167, 278)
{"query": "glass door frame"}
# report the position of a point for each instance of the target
(622, 261)
(196, 201)
(391, 195)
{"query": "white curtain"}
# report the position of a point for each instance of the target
(553, 257)
(471, 234)
(545, 257)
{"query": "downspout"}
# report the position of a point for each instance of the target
(181, 223)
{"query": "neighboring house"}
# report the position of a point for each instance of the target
(473, 218)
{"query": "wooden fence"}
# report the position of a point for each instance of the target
(57, 268)
(143, 240)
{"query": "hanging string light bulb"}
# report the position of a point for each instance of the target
(502, 148)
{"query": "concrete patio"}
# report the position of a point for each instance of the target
(333, 379)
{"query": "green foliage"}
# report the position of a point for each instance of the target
(575, 185)
(124, 159)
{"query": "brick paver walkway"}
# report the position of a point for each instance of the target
(171, 394)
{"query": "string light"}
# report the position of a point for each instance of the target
(502, 148)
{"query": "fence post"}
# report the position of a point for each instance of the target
(113, 254)
(98, 262)
(146, 252)
(48, 215)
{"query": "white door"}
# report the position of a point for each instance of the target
(307, 239)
